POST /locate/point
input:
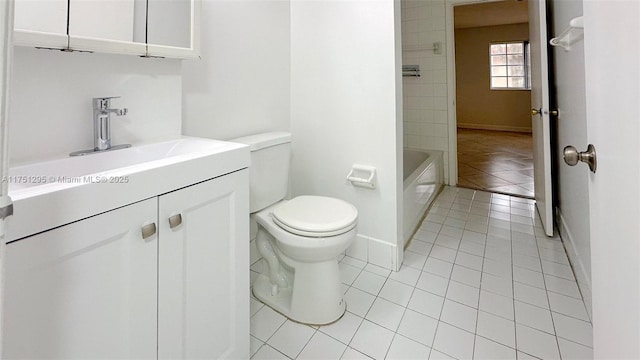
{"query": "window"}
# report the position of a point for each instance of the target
(509, 64)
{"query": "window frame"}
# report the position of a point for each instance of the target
(526, 64)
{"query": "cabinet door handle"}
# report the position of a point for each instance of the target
(175, 220)
(148, 230)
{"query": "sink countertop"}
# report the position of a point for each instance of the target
(60, 191)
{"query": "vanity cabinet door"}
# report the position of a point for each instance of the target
(87, 290)
(203, 293)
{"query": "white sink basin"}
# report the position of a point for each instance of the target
(60, 191)
(74, 169)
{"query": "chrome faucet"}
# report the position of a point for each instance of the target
(102, 127)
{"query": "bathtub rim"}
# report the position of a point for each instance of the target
(423, 165)
(411, 225)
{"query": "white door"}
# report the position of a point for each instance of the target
(540, 121)
(86, 290)
(203, 293)
(612, 82)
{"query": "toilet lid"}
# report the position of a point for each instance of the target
(316, 216)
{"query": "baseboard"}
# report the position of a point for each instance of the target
(359, 249)
(583, 279)
(374, 251)
(494, 127)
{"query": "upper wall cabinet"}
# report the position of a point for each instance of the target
(154, 28)
(173, 28)
(41, 23)
(108, 26)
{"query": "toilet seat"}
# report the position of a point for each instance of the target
(315, 216)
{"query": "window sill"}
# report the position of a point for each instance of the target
(508, 89)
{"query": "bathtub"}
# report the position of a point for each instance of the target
(423, 176)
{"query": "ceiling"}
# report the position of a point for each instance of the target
(491, 13)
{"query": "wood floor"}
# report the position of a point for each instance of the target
(496, 161)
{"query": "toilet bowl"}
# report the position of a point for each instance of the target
(299, 241)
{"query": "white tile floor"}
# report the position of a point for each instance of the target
(479, 280)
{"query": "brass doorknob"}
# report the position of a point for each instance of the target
(536, 112)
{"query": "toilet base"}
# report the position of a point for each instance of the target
(282, 303)
(300, 276)
(262, 291)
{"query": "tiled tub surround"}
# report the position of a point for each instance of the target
(479, 280)
(425, 97)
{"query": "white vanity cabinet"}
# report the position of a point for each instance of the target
(96, 289)
(84, 290)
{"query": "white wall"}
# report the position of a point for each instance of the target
(425, 97)
(477, 105)
(344, 83)
(51, 109)
(241, 84)
(571, 129)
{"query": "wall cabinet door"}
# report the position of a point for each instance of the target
(181, 39)
(203, 294)
(84, 290)
(108, 26)
(41, 23)
(156, 28)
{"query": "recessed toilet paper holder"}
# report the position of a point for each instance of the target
(362, 176)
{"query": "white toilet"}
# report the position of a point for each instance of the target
(299, 239)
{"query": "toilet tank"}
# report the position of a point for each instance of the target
(269, 171)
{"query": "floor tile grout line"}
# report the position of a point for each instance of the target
(553, 323)
(308, 341)
(400, 322)
(362, 318)
(369, 309)
(340, 341)
(513, 295)
(435, 333)
(265, 344)
(575, 342)
(354, 334)
(442, 309)
(484, 249)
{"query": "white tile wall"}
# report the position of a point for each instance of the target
(425, 97)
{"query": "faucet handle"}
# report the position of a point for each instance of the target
(106, 97)
(103, 103)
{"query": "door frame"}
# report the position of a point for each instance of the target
(452, 118)
(6, 61)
